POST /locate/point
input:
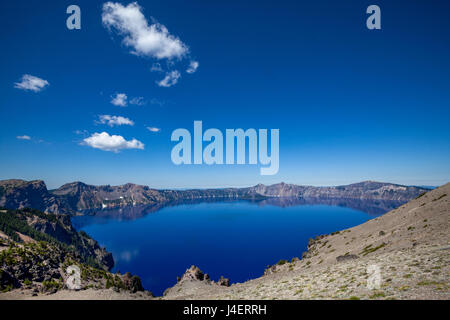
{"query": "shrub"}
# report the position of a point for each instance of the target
(281, 262)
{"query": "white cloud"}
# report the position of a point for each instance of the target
(139, 101)
(31, 83)
(152, 40)
(193, 65)
(119, 99)
(115, 120)
(153, 129)
(24, 137)
(170, 79)
(114, 143)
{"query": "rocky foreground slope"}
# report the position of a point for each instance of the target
(407, 249)
(75, 197)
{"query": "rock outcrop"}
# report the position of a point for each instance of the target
(194, 274)
(132, 283)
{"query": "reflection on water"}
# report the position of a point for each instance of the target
(372, 207)
(369, 206)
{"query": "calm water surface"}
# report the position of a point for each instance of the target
(234, 239)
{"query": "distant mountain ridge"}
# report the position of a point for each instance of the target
(75, 197)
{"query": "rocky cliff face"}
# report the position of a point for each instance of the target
(80, 196)
(17, 194)
(57, 230)
(77, 196)
(363, 190)
(35, 267)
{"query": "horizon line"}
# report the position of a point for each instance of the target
(426, 186)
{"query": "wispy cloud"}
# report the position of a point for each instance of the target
(32, 139)
(157, 102)
(170, 79)
(115, 120)
(138, 101)
(114, 143)
(81, 132)
(156, 67)
(153, 129)
(193, 66)
(151, 40)
(31, 83)
(119, 99)
(24, 137)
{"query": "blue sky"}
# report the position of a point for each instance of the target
(351, 104)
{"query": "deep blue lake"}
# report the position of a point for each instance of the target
(234, 239)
